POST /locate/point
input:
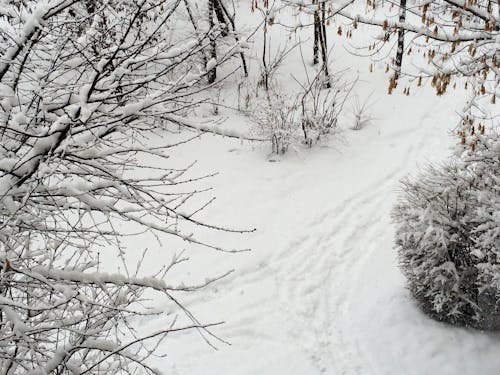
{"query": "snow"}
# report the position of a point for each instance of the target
(36, 18)
(179, 50)
(52, 363)
(211, 64)
(105, 345)
(19, 327)
(98, 278)
(320, 292)
(137, 107)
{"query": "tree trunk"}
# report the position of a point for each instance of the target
(265, 78)
(230, 19)
(212, 74)
(317, 30)
(195, 27)
(323, 43)
(219, 12)
(401, 40)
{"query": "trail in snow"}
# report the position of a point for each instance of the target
(322, 268)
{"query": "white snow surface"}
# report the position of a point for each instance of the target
(320, 292)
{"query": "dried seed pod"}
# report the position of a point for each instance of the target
(7, 267)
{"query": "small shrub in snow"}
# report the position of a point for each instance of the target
(320, 108)
(302, 119)
(360, 112)
(448, 237)
(277, 123)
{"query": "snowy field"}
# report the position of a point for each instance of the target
(320, 292)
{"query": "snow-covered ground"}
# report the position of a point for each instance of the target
(320, 292)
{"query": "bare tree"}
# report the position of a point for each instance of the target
(221, 24)
(225, 17)
(456, 38)
(320, 40)
(83, 87)
(322, 12)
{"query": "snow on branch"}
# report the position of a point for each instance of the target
(83, 86)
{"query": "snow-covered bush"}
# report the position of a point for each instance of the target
(448, 236)
(276, 121)
(321, 103)
(304, 118)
